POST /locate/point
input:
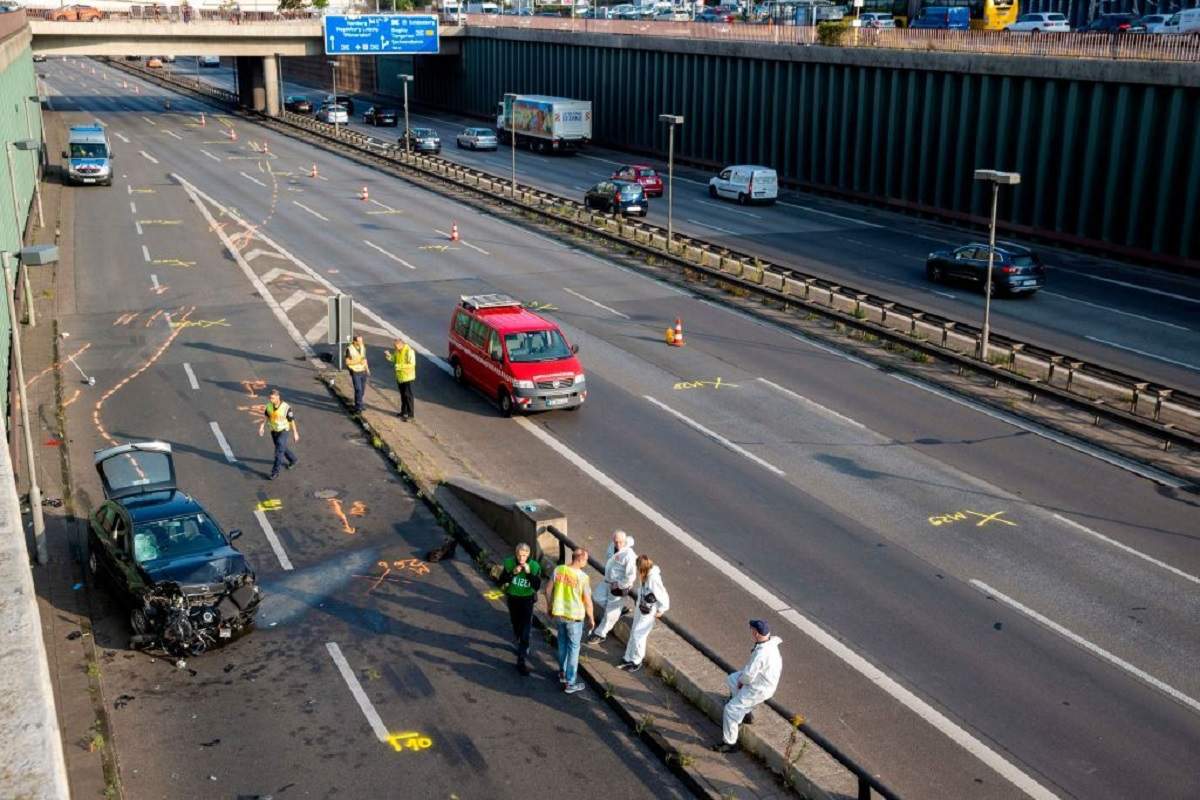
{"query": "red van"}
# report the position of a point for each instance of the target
(514, 356)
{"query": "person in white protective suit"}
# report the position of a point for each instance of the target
(620, 570)
(650, 601)
(755, 683)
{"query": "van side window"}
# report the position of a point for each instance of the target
(725, 175)
(478, 334)
(494, 349)
(462, 323)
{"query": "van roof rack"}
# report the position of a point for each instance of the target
(478, 301)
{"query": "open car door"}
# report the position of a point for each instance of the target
(135, 468)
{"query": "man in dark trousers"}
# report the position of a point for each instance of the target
(404, 359)
(521, 579)
(282, 423)
(360, 370)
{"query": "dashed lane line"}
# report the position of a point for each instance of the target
(463, 243)
(356, 691)
(173, 133)
(812, 404)
(716, 437)
(392, 256)
(1148, 289)
(1091, 647)
(191, 376)
(1187, 576)
(152, 122)
(595, 303)
(146, 254)
(221, 441)
(318, 215)
(729, 210)
(252, 179)
(812, 210)
(1146, 353)
(148, 157)
(121, 136)
(209, 155)
(272, 539)
(1112, 310)
(712, 227)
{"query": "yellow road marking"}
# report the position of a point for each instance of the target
(174, 262)
(409, 740)
(201, 323)
(269, 505)
(719, 383)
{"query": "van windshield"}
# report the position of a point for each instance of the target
(88, 150)
(536, 346)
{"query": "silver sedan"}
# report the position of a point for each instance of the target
(477, 139)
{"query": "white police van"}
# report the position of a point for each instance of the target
(89, 155)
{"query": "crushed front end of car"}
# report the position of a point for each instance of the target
(187, 620)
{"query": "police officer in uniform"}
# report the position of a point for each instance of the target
(404, 358)
(282, 423)
(356, 362)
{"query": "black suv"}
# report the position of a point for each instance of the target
(381, 116)
(185, 586)
(617, 197)
(1015, 270)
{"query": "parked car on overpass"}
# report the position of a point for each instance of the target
(1040, 22)
(1015, 269)
(75, 13)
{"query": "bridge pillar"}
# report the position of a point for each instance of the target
(270, 73)
(252, 90)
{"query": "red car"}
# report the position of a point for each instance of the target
(650, 180)
(516, 358)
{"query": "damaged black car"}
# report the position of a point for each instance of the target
(186, 587)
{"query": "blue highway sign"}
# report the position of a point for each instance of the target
(381, 33)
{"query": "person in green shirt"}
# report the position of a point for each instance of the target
(521, 579)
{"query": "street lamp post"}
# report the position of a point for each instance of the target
(37, 169)
(671, 120)
(406, 80)
(333, 68)
(510, 119)
(21, 144)
(997, 179)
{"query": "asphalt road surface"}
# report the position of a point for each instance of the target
(182, 350)
(1142, 321)
(969, 606)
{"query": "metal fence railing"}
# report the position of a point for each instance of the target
(1123, 46)
(868, 785)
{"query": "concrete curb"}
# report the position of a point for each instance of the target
(803, 770)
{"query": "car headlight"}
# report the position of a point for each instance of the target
(578, 379)
(523, 384)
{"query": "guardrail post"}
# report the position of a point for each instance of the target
(1161, 394)
(1138, 388)
(1071, 367)
(946, 328)
(1054, 362)
(884, 308)
(916, 317)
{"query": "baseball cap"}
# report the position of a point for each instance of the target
(761, 627)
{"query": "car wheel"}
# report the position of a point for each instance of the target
(459, 375)
(1036, 31)
(712, 191)
(138, 623)
(934, 273)
(505, 402)
(93, 567)
(742, 199)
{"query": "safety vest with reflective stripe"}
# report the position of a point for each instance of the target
(277, 417)
(356, 358)
(405, 361)
(566, 596)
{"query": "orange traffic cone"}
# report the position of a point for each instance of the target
(266, 148)
(202, 121)
(233, 134)
(363, 195)
(313, 174)
(676, 339)
(454, 231)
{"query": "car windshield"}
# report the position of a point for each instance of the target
(423, 132)
(1023, 261)
(88, 150)
(536, 346)
(647, 173)
(631, 190)
(173, 538)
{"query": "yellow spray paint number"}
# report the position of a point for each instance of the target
(201, 323)
(967, 515)
(409, 741)
(269, 505)
(719, 383)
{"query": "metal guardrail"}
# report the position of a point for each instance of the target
(1121, 46)
(868, 785)
(1144, 406)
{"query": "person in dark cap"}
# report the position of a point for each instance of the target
(755, 683)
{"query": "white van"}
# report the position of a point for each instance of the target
(746, 184)
(1186, 21)
(487, 9)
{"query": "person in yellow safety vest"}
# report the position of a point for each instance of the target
(282, 423)
(569, 600)
(360, 370)
(404, 358)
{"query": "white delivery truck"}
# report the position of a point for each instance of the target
(544, 124)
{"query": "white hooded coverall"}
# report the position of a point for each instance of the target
(635, 651)
(621, 569)
(759, 679)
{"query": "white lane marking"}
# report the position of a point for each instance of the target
(595, 303)
(812, 210)
(932, 239)
(597, 158)
(210, 155)
(148, 157)
(138, 225)
(812, 403)
(818, 634)
(321, 217)
(384, 206)
(216, 429)
(716, 437)
(463, 243)
(272, 539)
(712, 227)
(317, 332)
(944, 294)
(121, 136)
(1155, 356)
(146, 254)
(173, 133)
(395, 258)
(154, 282)
(191, 375)
(724, 207)
(1187, 576)
(132, 206)
(824, 348)
(152, 122)
(297, 297)
(1112, 310)
(356, 689)
(252, 179)
(1185, 298)
(129, 190)
(1092, 648)
(1126, 464)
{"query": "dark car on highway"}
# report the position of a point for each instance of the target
(186, 588)
(1113, 23)
(298, 104)
(617, 197)
(1015, 270)
(381, 116)
(423, 140)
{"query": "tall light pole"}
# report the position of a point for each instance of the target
(405, 80)
(21, 144)
(37, 167)
(510, 114)
(671, 120)
(997, 179)
(333, 68)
